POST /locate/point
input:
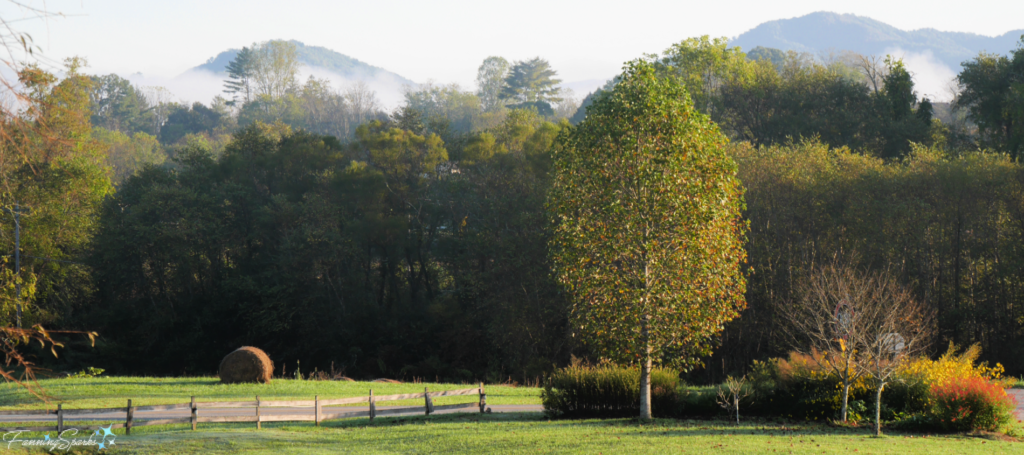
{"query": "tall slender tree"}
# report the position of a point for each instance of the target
(648, 236)
(276, 68)
(490, 79)
(239, 85)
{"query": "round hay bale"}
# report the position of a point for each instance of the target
(246, 364)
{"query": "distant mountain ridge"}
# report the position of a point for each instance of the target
(315, 56)
(822, 31)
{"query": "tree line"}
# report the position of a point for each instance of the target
(415, 243)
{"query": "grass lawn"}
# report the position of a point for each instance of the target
(114, 391)
(457, 433)
(515, 433)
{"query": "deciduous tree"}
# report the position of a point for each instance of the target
(648, 235)
(490, 79)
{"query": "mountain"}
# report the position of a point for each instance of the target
(316, 57)
(823, 31)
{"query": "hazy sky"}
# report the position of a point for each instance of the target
(445, 40)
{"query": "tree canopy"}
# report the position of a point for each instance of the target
(531, 81)
(648, 235)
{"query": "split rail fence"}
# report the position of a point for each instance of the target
(323, 410)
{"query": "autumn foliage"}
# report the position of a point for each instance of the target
(972, 403)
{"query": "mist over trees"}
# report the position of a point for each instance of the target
(302, 217)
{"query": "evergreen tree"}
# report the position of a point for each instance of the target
(239, 85)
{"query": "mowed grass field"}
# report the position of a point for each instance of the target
(456, 433)
(109, 392)
(533, 433)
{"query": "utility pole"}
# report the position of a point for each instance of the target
(17, 257)
(17, 260)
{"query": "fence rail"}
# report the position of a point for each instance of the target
(332, 406)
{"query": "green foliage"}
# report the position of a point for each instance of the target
(406, 264)
(490, 80)
(274, 67)
(462, 111)
(117, 105)
(703, 65)
(90, 372)
(580, 390)
(796, 388)
(240, 73)
(531, 81)
(647, 229)
(775, 56)
(52, 168)
(806, 201)
(196, 119)
(993, 93)
(127, 155)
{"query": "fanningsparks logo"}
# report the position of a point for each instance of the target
(66, 440)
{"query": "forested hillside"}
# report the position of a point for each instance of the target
(825, 31)
(303, 218)
(317, 57)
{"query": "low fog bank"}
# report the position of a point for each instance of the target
(585, 87)
(389, 89)
(932, 78)
(188, 87)
(202, 85)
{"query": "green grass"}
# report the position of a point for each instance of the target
(458, 433)
(114, 391)
(515, 433)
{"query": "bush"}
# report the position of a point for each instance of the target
(904, 397)
(606, 391)
(702, 402)
(798, 388)
(949, 366)
(966, 404)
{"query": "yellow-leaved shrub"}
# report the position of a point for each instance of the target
(952, 365)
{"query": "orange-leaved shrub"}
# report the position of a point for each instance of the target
(972, 403)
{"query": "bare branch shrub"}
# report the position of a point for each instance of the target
(897, 328)
(731, 392)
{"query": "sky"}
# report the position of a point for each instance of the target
(444, 40)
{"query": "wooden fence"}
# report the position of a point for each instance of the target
(323, 410)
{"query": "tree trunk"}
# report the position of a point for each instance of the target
(846, 398)
(878, 409)
(645, 374)
(736, 405)
(645, 387)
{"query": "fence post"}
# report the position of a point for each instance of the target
(195, 413)
(60, 419)
(483, 398)
(258, 423)
(316, 412)
(426, 401)
(128, 418)
(373, 407)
